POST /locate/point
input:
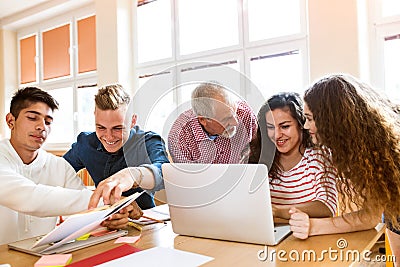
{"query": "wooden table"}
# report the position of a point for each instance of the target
(235, 254)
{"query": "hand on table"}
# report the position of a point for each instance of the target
(299, 223)
(136, 212)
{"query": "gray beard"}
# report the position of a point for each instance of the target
(229, 133)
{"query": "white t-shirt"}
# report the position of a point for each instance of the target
(32, 195)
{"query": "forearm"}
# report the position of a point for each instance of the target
(47, 201)
(23, 195)
(148, 177)
(158, 155)
(314, 209)
(158, 181)
(143, 177)
(355, 221)
(280, 220)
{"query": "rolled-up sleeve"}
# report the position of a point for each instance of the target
(157, 154)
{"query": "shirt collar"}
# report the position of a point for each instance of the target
(213, 137)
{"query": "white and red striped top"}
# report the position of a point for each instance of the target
(313, 178)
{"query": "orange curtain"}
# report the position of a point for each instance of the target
(87, 44)
(27, 59)
(56, 59)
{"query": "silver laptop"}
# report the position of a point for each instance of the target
(222, 201)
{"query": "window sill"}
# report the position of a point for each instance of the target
(57, 149)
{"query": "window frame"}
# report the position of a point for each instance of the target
(75, 79)
(379, 28)
(241, 52)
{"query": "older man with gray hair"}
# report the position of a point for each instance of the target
(215, 130)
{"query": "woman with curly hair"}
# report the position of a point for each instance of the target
(361, 130)
(299, 175)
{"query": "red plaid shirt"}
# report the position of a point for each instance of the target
(189, 143)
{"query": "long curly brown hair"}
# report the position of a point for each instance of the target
(361, 129)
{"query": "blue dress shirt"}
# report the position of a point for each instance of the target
(144, 149)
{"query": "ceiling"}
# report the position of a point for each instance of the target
(16, 14)
(10, 7)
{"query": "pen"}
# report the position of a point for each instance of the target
(153, 219)
(136, 226)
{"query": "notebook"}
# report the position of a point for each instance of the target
(26, 244)
(81, 223)
(222, 201)
(63, 238)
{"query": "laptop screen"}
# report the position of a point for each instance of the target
(220, 201)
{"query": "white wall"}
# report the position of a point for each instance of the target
(114, 40)
(8, 74)
(333, 37)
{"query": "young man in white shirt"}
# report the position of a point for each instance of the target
(36, 186)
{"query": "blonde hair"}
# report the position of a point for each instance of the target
(111, 97)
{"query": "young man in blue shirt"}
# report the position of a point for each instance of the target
(120, 147)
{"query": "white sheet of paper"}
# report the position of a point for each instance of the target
(158, 212)
(72, 224)
(74, 235)
(159, 256)
(163, 209)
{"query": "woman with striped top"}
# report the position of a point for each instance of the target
(300, 176)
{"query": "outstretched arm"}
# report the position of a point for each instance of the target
(314, 209)
(122, 181)
(303, 227)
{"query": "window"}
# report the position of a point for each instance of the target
(392, 65)
(271, 20)
(390, 8)
(156, 42)
(75, 114)
(27, 62)
(271, 72)
(154, 109)
(202, 26)
(245, 45)
(59, 56)
(56, 56)
(385, 23)
(86, 44)
(62, 131)
(85, 107)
